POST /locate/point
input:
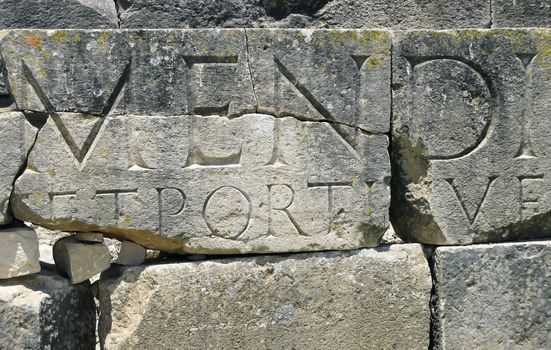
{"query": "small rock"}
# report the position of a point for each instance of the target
(78, 260)
(92, 237)
(131, 254)
(19, 252)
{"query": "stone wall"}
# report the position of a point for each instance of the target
(275, 174)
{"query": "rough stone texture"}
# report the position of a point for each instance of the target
(167, 121)
(471, 131)
(47, 239)
(19, 254)
(46, 312)
(346, 300)
(398, 14)
(131, 254)
(80, 261)
(521, 13)
(90, 237)
(58, 14)
(494, 296)
(16, 138)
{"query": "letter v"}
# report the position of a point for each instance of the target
(79, 152)
(471, 216)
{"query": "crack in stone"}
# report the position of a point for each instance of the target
(248, 58)
(25, 161)
(117, 9)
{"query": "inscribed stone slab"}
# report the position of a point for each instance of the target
(172, 155)
(471, 135)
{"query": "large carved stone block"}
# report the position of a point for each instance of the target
(330, 300)
(471, 139)
(210, 140)
(493, 296)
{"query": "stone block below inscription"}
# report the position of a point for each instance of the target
(329, 300)
(471, 144)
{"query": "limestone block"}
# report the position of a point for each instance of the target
(207, 176)
(495, 296)
(16, 138)
(471, 135)
(399, 14)
(330, 300)
(46, 312)
(521, 13)
(58, 14)
(19, 252)
(80, 261)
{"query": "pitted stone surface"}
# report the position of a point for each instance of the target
(46, 312)
(495, 296)
(397, 14)
(196, 171)
(58, 14)
(521, 13)
(19, 253)
(16, 138)
(471, 125)
(336, 300)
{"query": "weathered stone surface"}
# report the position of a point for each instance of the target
(346, 300)
(46, 312)
(78, 260)
(494, 296)
(194, 171)
(471, 135)
(521, 13)
(131, 254)
(16, 138)
(405, 14)
(19, 255)
(58, 14)
(399, 14)
(91, 237)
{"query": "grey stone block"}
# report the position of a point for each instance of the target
(58, 14)
(19, 254)
(470, 135)
(46, 312)
(521, 13)
(80, 261)
(495, 296)
(16, 138)
(131, 254)
(344, 300)
(194, 170)
(398, 14)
